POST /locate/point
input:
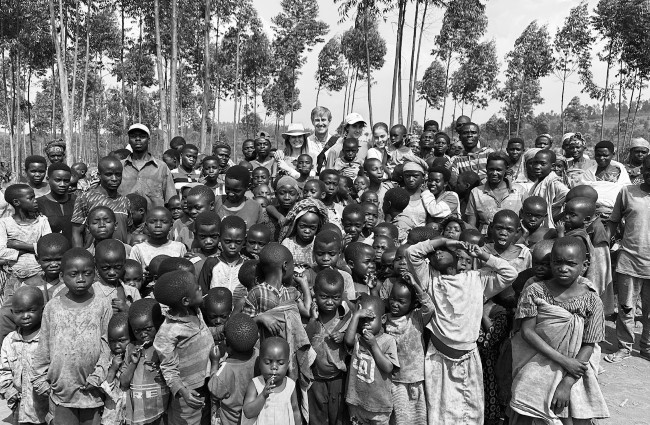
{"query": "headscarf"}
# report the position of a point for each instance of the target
(307, 205)
(530, 154)
(639, 142)
(415, 163)
(574, 139)
(55, 146)
(287, 181)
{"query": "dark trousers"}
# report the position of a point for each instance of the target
(327, 401)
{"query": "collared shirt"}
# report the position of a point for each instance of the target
(264, 297)
(470, 161)
(110, 292)
(150, 178)
(348, 169)
(16, 378)
(484, 203)
(181, 178)
(518, 255)
(120, 205)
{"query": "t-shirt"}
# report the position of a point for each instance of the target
(632, 204)
(302, 255)
(25, 265)
(368, 387)
(144, 252)
(120, 205)
(226, 275)
(330, 356)
(348, 283)
(250, 211)
(229, 386)
(58, 214)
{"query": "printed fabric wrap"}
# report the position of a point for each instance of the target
(301, 208)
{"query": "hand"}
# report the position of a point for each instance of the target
(476, 251)
(560, 227)
(117, 361)
(575, 367)
(282, 221)
(119, 305)
(189, 255)
(371, 280)
(313, 311)
(408, 278)
(300, 278)
(561, 397)
(14, 398)
(268, 387)
(368, 338)
(337, 337)
(87, 386)
(216, 354)
(278, 155)
(192, 398)
(347, 239)
(270, 323)
(136, 355)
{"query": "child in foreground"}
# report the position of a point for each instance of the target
(50, 249)
(115, 397)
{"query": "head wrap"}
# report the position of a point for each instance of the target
(55, 146)
(414, 163)
(530, 154)
(303, 207)
(287, 181)
(573, 139)
(639, 142)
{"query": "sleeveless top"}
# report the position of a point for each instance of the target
(277, 409)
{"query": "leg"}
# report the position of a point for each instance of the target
(628, 293)
(89, 417)
(66, 416)
(318, 403)
(645, 318)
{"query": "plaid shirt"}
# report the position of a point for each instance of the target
(470, 161)
(264, 297)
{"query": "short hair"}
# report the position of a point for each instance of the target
(138, 202)
(374, 301)
(264, 169)
(207, 218)
(499, 156)
(569, 242)
(103, 208)
(428, 123)
(174, 264)
(320, 111)
(172, 287)
(173, 152)
(189, 146)
(209, 158)
(531, 200)
(518, 140)
(327, 237)
(112, 246)
(392, 229)
(273, 254)
(329, 226)
(400, 127)
(354, 249)
(549, 153)
(260, 227)
(399, 198)
(52, 242)
(120, 154)
(31, 290)
(58, 166)
(147, 308)
(155, 263)
(108, 159)
(247, 274)
(443, 135)
(328, 172)
(319, 183)
(218, 295)
(588, 204)
(468, 235)
(177, 142)
(202, 192)
(582, 191)
(233, 222)
(470, 177)
(131, 263)
(452, 219)
(221, 145)
(274, 341)
(506, 213)
(240, 173)
(544, 136)
(75, 254)
(351, 209)
(14, 191)
(467, 124)
(421, 234)
(605, 144)
(119, 320)
(366, 193)
(446, 174)
(545, 245)
(241, 333)
(328, 277)
(35, 159)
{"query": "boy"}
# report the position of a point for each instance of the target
(361, 260)
(327, 250)
(258, 237)
(177, 143)
(185, 172)
(396, 149)
(334, 209)
(199, 199)
(380, 244)
(346, 164)
(467, 180)
(158, 222)
(314, 189)
(387, 229)
(248, 150)
(183, 343)
(110, 256)
(234, 202)
(260, 176)
(81, 169)
(374, 357)
(503, 232)
(353, 220)
(58, 205)
(110, 179)
(361, 184)
(439, 202)
(395, 201)
(171, 158)
(517, 169)
(101, 226)
(49, 252)
(35, 168)
(206, 239)
(371, 214)
(264, 159)
(533, 215)
(458, 305)
(133, 274)
(325, 331)
(17, 355)
(175, 207)
(287, 194)
(548, 185)
(138, 211)
(304, 166)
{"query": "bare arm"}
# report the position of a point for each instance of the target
(77, 235)
(253, 402)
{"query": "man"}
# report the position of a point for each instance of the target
(143, 174)
(321, 117)
(473, 157)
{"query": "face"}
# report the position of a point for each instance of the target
(413, 180)
(637, 155)
(139, 238)
(195, 296)
(26, 201)
(248, 149)
(327, 254)
(542, 265)
(331, 183)
(36, 173)
(262, 147)
(207, 236)
(232, 242)
(567, 263)
(304, 164)
(210, 170)
(371, 215)
(469, 136)
(262, 190)
(504, 231)
(235, 191)
(427, 140)
(312, 190)
(261, 176)
(542, 166)
(356, 130)
(50, 262)
(223, 155)
(307, 226)
(373, 324)
(255, 241)
(436, 183)
(452, 230)
(170, 161)
(296, 142)
(274, 362)
(574, 217)
(110, 175)
(118, 339)
(370, 197)
(133, 277)
(514, 151)
(397, 136)
(101, 225)
(603, 157)
(78, 275)
(143, 329)
(399, 263)
(159, 223)
(55, 157)
(353, 224)
(287, 196)
(188, 158)
(27, 312)
(363, 264)
(59, 182)
(400, 300)
(217, 314)
(532, 216)
(350, 150)
(328, 297)
(139, 141)
(196, 204)
(496, 171)
(380, 245)
(360, 184)
(381, 137)
(440, 146)
(321, 124)
(375, 170)
(110, 267)
(464, 261)
(543, 143)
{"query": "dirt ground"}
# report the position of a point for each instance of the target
(625, 387)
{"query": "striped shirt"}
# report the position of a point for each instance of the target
(184, 345)
(120, 205)
(181, 178)
(470, 161)
(264, 297)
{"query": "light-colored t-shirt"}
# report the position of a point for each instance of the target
(144, 252)
(633, 204)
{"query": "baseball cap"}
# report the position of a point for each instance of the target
(139, 126)
(354, 118)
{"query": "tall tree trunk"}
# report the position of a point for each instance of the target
(413, 93)
(29, 113)
(356, 79)
(562, 101)
(629, 110)
(162, 109)
(636, 110)
(602, 114)
(73, 89)
(620, 98)
(365, 39)
(446, 93)
(400, 28)
(236, 96)
(173, 86)
(82, 116)
(345, 94)
(409, 114)
(206, 77)
(521, 101)
(53, 92)
(396, 63)
(63, 77)
(15, 167)
(122, 86)
(293, 92)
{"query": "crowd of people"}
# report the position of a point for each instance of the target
(364, 276)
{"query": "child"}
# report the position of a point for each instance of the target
(452, 227)
(361, 184)
(58, 205)
(346, 164)
(262, 190)
(346, 193)
(371, 216)
(260, 176)
(264, 157)
(81, 169)
(138, 211)
(439, 202)
(101, 226)
(234, 201)
(35, 167)
(185, 172)
(175, 207)
(258, 237)
(331, 180)
(213, 174)
(533, 214)
(110, 257)
(133, 274)
(199, 199)
(395, 201)
(183, 339)
(72, 357)
(314, 189)
(303, 222)
(457, 293)
(554, 377)
(216, 309)
(304, 166)
(385, 268)
(374, 358)
(467, 180)
(18, 349)
(387, 229)
(229, 380)
(397, 269)
(353, 221)
(361, 260)
(136, 239)
(380, 244)
(49, 252)
(19, 234)
(517, 169)
(248, 274)
(272, 397)
(248, 150)
(159, 223)
(287, 193)
(118, 340)
(327, 250)
(325, 330)
(503, 232)
(223, 269)
(396, 150)
(171, 158)
(406, 324)
(141, 372)
(548, 185)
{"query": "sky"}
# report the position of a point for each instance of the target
(506, 21)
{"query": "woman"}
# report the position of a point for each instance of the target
(639, 148)
(352, 126)
(413, 172)
(55, 151)
(295, 144)
(58, 204)
(574, 146)
(380, 137)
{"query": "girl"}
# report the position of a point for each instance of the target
(452, 227)
(414, 172)
(149, 395)
(302, 223)
(234, 202)
(380, 137)
(271, 398)
(554, 364)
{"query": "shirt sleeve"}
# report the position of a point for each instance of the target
(434, 207)
(6, 253)
(7, 389)
(41, 359)
(389, 348)
(527, 306)
(165, 344)
(454, 173)
(98, 375)
(79, 211)
(169, 189)
(496, 276)
(415, 258)
(426, 311)
(251, 307)
(619, 207)
(594, 331)
(470, 210)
